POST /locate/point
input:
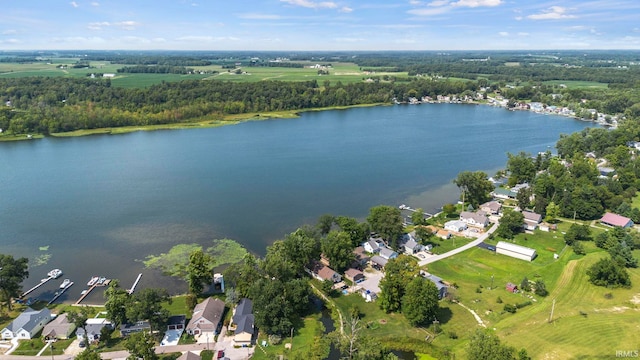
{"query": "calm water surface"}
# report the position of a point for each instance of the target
(102, 203)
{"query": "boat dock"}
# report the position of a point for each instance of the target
(90, 289)
(42, 282)
(60, 292)
(133, 287)
(405, 207)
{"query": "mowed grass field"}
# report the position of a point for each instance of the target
(589, 322)
(578, 84)
(344, 72)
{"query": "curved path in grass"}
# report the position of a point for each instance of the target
(468, 246)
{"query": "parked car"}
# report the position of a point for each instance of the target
(220, 354)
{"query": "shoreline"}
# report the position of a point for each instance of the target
(241, 118)
(196, 124)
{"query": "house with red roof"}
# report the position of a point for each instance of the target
(612, 219)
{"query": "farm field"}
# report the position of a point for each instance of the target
(344, 72)
(589, 322)
(578, 84)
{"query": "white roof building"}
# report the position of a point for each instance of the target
(515, 251)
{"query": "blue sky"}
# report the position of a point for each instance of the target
(319, 24)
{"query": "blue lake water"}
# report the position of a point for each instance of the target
(102, 203)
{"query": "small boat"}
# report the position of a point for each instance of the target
(55, 273)
(93, 281)
(102, 280)
(65, 283)
(83, 292)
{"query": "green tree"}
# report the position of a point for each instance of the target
(475, 187)
(147, 304)
(420, 301)
(105, 335)
(386, 221)
(540, 288)
(521, 168)
(510, 224)
(398, 273)
(609, 273)
(243, 275)
(485, 345)
(325, 222)
(278, 305)
(525, 285)
(524, 198)
(338, 248)
(448, 209)
(199, 271)
(417, 217)
(117, 301)
(12, 273)
(141, 345)
(553, 212)
(358, 232)
(79, 319)
(88, 354)
(423, 234)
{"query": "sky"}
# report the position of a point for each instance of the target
(314, 25)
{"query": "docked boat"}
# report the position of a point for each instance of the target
(65, 283)
(55, 273)
(93, 281)
(102, 280)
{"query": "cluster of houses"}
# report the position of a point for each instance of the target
(207, 320)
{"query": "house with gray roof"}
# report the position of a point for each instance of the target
(491, 207)
(442, 288)
(531, 220)
(387, 253)
(243, 321)
(372, 245)
(27, 324)
(478, 219)
(58, 328)
(128, 329)
(94, 327)
(206, 318)
(189, 356)
(411, 246)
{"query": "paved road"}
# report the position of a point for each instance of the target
(468, 246)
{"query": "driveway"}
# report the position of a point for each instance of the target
(372, 280)
(468, 246)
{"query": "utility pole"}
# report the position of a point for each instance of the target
(553, 305)
(51, 348)
(491, 283)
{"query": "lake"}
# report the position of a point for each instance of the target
(103, 203)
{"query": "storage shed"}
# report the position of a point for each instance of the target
(516, 251)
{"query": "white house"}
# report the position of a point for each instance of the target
(27, 324)
(531, 220)
(455, 225)
(515, 251)
(478, 219)
(387, 253)
(411, 246)
(372, 246)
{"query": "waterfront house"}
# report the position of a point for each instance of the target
(206, 318)
(242, 323)
(491, 207)
(176, 322)
(94, 327)
(354, 275)
(59, 328)
(27, 324)
(323, 272)
(128, 329)
(478, 219)
(612, 219)
(378, 262)
(502, 193)
(372, 246)
(455, 225)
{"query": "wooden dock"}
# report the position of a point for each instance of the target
(133, 287)
(90, 289)
(405, 207)
(59, 293)
(42, 282)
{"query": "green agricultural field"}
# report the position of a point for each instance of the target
(578, 84)
(588, 321)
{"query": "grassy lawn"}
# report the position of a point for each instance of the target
(441, 246)
(578, 84)
(302, 340)
(29, 347)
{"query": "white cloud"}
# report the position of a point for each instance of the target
(95, 3)
(312, 4)
(523, 34)
(552, 13)
(477, 3)
(10, 41)
(9, 32)
(518, 18)
(346, 9)
(258, 16)
(415, 2)
(74, 4)
(438, 3)
(124, 25)
(429, 11)
(503, 33)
